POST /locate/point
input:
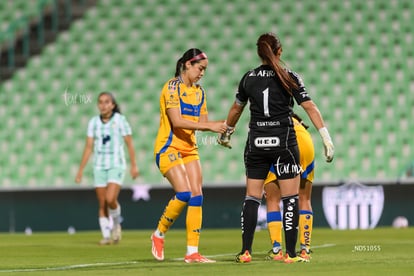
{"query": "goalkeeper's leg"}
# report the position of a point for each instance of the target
(289, 192)
(252, 200)
(249, 221)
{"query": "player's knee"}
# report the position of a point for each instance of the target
(111, 202)
(253, 199)
(273, 196)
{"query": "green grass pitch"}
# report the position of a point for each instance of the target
(335, 252)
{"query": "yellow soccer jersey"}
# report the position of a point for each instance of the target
(192, 103)
(306, 150)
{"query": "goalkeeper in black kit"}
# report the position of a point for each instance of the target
(271, 91)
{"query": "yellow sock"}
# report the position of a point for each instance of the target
(193, 221)
(305, 228)
(275, 232)
(171, 213)
(274, 226)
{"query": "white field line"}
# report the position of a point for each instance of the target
(76, 266)
(68, 267)
(234, 254)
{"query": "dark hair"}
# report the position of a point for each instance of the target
(268, 45)
(116, 107)
(194, 55)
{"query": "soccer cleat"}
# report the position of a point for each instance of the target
(297, 259)
(244, 257)
(116, 233)
(197, 258)
(105, 241)
(157, 247)
(305, 254)
(278, 256)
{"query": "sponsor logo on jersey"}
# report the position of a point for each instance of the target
(265, 73)
(172, 100)
(105, 139)
(265, 142)
(270, 123)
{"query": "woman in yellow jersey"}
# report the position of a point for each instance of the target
(183, 110)
(272, 193)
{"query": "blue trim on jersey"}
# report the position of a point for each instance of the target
(305, 212)
(190, 109)
(183, 196)
(274, 216)
(308, 170)
(272, 169)
(196, 201)
(164, 148)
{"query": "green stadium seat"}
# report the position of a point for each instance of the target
(131, 50)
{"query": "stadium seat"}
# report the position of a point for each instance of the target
(355, 58)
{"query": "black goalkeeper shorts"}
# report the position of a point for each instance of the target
(285, 161)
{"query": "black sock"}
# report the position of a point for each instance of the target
(249, 222)
(290, 223)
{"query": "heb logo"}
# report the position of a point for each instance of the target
(264, 142)
(353, 205)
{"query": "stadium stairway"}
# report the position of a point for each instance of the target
(30, 25)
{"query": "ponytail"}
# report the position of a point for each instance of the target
(179, 67)
(268, 46)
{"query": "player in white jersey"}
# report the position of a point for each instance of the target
(106, 136)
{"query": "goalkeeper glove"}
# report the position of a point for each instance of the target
(224, 138)
(327, 143)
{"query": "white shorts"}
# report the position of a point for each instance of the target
(103, 177)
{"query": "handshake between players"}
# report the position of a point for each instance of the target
(224, 138)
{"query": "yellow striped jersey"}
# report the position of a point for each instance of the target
(192, 103)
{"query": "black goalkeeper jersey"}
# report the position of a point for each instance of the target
(270, 104)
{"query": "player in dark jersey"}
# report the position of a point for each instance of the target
(271, 90)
